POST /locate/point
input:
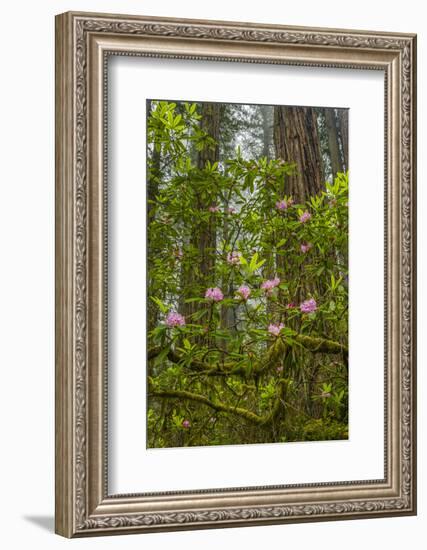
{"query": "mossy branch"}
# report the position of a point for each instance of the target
(321, 345)
(217, 406)
(275, 352)
(222, 407)
(209, 369)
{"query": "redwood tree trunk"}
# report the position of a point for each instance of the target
(337, 131)
(342, 125)
(333, 142)
(204, 237)
(266, 113)
(296, 140)
(209, 123)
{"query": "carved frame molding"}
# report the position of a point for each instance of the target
(83, 43)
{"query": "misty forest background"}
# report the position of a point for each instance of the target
(247, 273)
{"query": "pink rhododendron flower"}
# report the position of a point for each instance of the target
(174, 319)
(244, 292)
(186, 424)
(214, 294)
(213, 208)
(233, 258)
(270, 284)
(305, 216)
(275, 329)
(305, 247)
(308, 306)
(291, 305)
(281, 205)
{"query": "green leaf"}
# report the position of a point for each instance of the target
(198, 315)
(163, 308)
(162, 355)
(253, 262)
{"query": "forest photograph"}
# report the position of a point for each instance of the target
(247, 273)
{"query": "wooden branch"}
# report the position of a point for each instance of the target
(321, 345)
(222, 407)
(221, 369)
(275, 352)
(217, 406)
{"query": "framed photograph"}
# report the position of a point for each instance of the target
(235, 274)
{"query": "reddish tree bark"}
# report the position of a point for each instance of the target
(296, 140)
(204, 237)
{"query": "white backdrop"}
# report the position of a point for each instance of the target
(27, 245)
(132, 80)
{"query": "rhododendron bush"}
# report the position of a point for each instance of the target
(247, 285)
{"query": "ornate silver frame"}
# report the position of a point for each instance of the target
(83, 42)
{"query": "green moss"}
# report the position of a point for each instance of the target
(324, 430)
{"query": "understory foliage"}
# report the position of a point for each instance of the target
(248, 294)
